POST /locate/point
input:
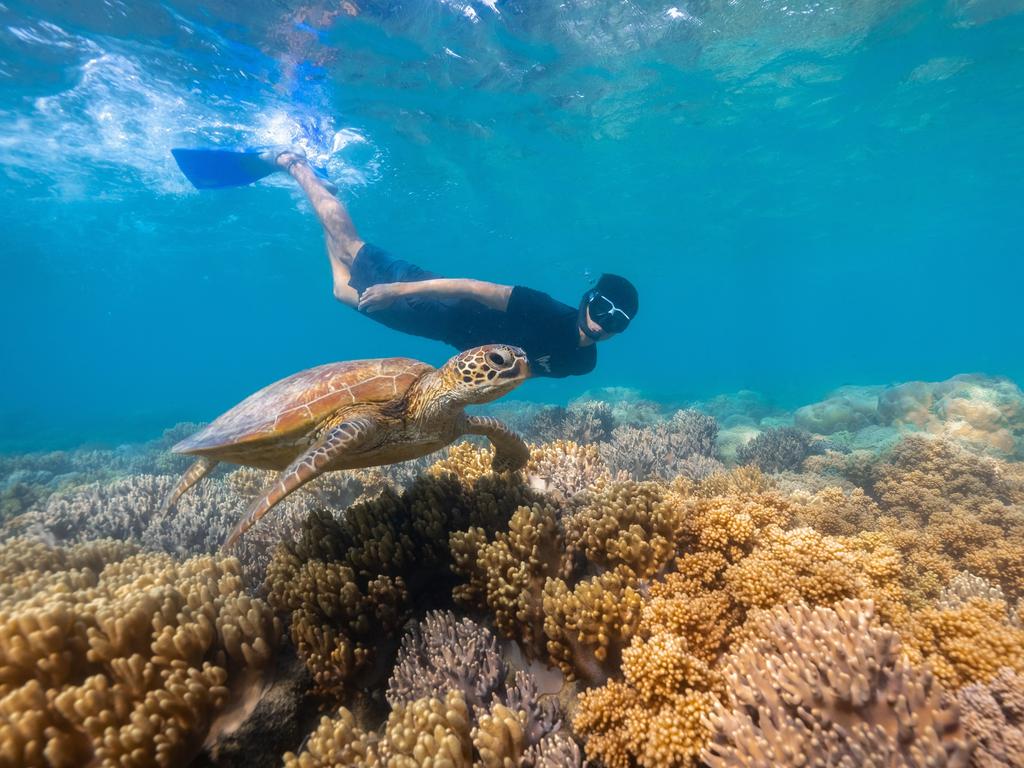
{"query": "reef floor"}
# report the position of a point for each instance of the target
(724, 584)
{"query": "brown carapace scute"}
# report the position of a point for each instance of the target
(361, 413)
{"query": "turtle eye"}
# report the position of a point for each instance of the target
(497, 358)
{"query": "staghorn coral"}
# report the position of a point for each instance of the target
(586, 422)
(442, 654)
(966, 644)
(776, 450)
(119, 658)
(993, 717)
(830, 686)
(685, 444)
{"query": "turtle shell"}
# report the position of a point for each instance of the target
(297, 404)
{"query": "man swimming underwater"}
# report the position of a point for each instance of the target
(558, 339)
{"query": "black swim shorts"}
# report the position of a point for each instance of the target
(432, 318)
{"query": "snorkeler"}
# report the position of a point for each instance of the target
(558, 339)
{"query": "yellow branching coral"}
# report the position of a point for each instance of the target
(1001, 560)
(337, 741)
(435, 732)
(627, 524)
(654, 717)
(731, 525)
(467, 461)
(831, 687)
(562, 468)
(348, 584)
(965, 644)
(588, 625)
(123, 661)
(834, 512)
(739, 481)
(507, 575)
(793, 566)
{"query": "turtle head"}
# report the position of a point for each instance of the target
(483, 374)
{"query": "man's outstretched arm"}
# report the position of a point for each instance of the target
(489, 294)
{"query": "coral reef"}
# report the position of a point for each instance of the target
(967, 643)
(847, 409)
(775, 450)
(349, 585)
(451, 705)
(129, 509)
(684, 445)
(993, 717)
(120, 658)
(830, 686)
(585, 422)
(852, 600)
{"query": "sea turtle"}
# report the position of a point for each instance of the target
(361, 413)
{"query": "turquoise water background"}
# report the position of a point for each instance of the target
(807, 195)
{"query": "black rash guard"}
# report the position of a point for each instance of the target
(545, 328)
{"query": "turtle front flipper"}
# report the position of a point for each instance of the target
(347, 436)
(510, 452)
(193, 475)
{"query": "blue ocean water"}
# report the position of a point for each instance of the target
(806, 194)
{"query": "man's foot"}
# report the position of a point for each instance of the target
(285, 158)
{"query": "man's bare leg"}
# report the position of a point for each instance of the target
(343, 242)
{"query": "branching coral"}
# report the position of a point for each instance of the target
(993, 717)
(685, 444)
(923, 475)
(442, 654)
(587, 422)
(349, 585)
(119, 658)
(129, 509)
(451, 706)
(829, 686)
(629, 524)
(965, 644)
(534, 581)
(564, 469)
(835, 512)
(775, 450)
(435, 732)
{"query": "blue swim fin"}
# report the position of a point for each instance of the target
(218, 168)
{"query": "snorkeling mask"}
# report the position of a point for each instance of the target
(603, 311)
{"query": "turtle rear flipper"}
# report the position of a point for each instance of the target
(345, 437)
(193, 475)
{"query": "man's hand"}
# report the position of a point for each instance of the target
(381, 296)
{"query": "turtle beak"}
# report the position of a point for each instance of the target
(520, 370)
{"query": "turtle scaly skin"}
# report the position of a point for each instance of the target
(355, 414)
